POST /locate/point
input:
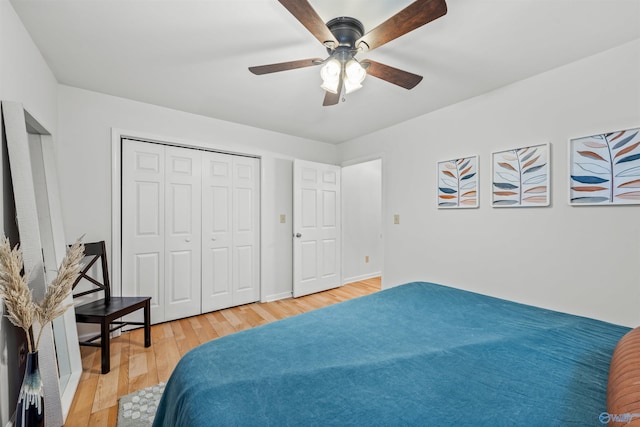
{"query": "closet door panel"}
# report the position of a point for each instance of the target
(246, 232)
(217, 236)
(143, 239)
(183, 230)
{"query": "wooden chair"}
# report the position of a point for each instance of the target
(105, 311)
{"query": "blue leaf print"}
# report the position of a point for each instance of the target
(535, 168)
(589, 199)
(628, 159)
(528, 156)
(471, 175)
(505, 202)
(589, 179)
(505, 186)
(446, 190)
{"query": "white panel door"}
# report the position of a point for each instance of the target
(316, 227)
(217, 232)
(246, 230)
(143, 235)
(183, 182)
(230, 230)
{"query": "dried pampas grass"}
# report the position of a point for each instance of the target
(22, 311)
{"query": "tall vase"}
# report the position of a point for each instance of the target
(30, 412)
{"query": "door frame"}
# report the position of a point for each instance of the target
(383, 203)
(117, 135)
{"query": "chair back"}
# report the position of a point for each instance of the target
(95, 252)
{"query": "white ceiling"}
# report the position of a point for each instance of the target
(193, 55)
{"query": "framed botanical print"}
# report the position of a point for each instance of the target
(520, 177)
(458, 183)
(604, 169)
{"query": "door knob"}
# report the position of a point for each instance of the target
(188, 239)
(298, 235)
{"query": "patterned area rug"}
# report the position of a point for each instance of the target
(139, 408)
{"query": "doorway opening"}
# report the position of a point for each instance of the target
(363, 250)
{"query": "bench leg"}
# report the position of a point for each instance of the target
(147, 324)
(105, 347)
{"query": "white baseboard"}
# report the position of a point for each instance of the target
(276, 297)
(362, 277)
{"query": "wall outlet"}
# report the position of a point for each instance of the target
(396, 219)
(283, 218)
(366, 259)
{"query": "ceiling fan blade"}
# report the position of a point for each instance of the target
(415, 15)
(285, 66)
(306, 14)
(396, 76)
(331, 98)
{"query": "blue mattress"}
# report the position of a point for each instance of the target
(416, 354)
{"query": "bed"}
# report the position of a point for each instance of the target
(416, 354)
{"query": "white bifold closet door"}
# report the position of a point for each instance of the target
(190, 229)
(230, 245)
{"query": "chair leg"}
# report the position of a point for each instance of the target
(147, 324)
(105, 347)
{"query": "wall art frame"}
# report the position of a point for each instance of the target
(604, 169)
(521, 177)
(457, 181)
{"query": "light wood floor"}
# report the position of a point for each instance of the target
(134, 367)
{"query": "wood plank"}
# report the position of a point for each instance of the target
(124, 366)
(80, 410)
(101, 418)
(138, 365)
(167, 357)
(107, 390)
(264, 313)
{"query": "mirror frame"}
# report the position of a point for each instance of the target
(27, 188)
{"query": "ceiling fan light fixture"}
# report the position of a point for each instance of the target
(350, 86)
(330, 73)
(330, 86)
(354, 71)
(354, 76)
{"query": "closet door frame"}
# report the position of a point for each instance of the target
(117, 135)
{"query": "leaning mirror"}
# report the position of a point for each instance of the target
(38, 213)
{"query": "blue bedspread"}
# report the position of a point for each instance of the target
(417, 354)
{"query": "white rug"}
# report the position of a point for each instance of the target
(139, 408)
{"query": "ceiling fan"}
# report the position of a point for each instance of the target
(344, 38)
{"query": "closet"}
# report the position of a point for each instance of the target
(190, 228)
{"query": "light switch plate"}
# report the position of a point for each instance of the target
(283, 218)
(396, 219)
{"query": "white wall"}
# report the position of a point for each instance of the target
(362, 220)
(25, 78)
(582, 260)
(84, 164)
